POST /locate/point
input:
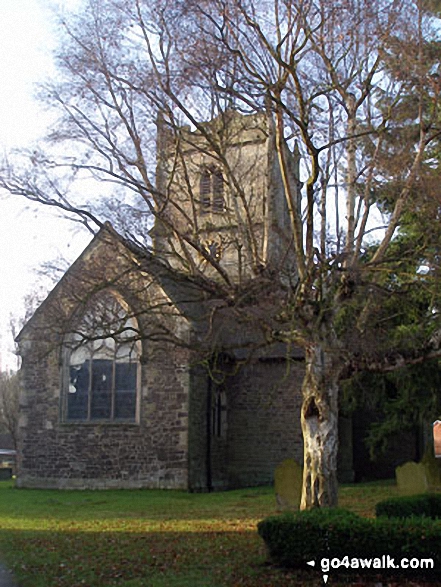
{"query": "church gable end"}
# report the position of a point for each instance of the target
(105, 404)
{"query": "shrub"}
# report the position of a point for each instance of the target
(294, 539)
(428, 505)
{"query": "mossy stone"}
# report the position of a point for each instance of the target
(412, 478)
(288, 481)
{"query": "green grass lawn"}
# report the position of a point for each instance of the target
(149, 538)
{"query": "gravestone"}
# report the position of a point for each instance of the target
(288, 480)
(412, 478)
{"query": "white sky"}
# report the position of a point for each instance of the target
(28, 237)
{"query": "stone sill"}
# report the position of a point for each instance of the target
(89, 423)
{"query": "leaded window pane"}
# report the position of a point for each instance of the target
(78, 392)
(102, 383)
(125, 390)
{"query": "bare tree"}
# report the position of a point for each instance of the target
(318, 73)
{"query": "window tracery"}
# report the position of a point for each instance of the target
(102, 364)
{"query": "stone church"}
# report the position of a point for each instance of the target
(132, 375)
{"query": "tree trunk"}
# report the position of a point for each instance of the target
(319, 418)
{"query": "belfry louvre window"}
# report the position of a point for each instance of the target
(211, 188)
(102, 365)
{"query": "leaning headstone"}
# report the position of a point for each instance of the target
(288, 484)
(412, 478)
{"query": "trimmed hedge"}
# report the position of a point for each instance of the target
(428, 505)
(293, 539)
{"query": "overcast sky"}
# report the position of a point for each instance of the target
(28, 237)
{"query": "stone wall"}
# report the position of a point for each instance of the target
(197, 432)
(149, 453)
(264, 402)
(167, 447)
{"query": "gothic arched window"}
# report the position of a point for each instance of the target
(102, 364)
(211, 189)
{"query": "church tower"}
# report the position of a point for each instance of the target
(221, 194)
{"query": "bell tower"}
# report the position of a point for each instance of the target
(221, 194)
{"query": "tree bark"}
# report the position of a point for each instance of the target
(319, 418)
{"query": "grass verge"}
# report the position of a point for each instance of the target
(149, 538)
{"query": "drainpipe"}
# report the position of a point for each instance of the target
(208, 466)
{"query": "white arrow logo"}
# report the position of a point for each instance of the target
(312, 564)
